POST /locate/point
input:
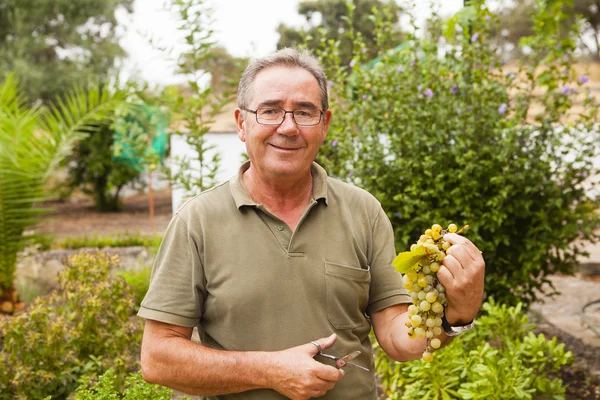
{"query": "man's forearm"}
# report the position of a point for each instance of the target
(392, 334)
(404, 348)
(199, 370)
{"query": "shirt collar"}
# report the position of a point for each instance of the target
(241, 197)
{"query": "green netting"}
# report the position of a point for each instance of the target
(132, 142)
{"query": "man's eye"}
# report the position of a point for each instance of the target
(304, 113)
(268, 111)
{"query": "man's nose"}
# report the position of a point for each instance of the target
(288, 126)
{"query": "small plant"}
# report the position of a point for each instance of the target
(84, 327)
(107, 387)
(500, 359)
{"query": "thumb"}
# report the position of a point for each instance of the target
(324, 343)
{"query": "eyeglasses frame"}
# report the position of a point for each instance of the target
(285, 112)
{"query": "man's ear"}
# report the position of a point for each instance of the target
(240, 124)
(326, 122)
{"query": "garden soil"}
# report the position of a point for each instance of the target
(559, 316)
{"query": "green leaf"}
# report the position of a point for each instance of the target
(405, 260)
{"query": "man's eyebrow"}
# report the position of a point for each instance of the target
(305, 104)
(270, 103)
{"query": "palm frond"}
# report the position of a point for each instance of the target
(75, 115)
(33, 141)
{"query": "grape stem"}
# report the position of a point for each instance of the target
(461, 230)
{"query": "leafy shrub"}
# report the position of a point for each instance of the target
(84, 327)
(139, 281)
(107, 387)
(500, 359)
(441, 130)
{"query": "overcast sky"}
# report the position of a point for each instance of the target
(244, 27)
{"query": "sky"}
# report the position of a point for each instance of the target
(245, 28)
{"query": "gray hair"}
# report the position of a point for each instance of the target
(288, 57)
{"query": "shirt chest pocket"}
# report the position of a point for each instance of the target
(347, 293)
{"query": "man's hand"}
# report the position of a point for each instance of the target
(462, 274)
(298, 376)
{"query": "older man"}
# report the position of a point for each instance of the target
(282, 260)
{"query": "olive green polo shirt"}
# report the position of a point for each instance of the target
(248, 282)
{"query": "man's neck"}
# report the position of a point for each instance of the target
(285, 197)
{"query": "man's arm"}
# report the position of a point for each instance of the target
(462, 274)
(171, 359)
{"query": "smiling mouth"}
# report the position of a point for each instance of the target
(284, 148)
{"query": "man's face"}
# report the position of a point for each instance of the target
(285, 150)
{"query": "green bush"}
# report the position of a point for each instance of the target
(85, 327)
(443, 131)
(139, 281)
(107, 387)
(500, 359)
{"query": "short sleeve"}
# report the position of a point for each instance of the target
(386, 284)
(177, 285)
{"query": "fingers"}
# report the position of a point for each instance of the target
(321, 344)
(330, 374)
(465, 244)
(328, 341)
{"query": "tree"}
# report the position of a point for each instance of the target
(93, 169)
(333, 23)
(197, 105)
(54, 44)
(223, 68)
(33, 141)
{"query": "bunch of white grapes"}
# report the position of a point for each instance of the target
(427, 293)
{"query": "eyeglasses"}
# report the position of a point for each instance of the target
(276, 115)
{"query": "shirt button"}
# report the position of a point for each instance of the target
(280, 227)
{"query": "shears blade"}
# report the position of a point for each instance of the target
(342, 361)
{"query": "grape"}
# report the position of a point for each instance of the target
(437, 307)
(431, 296)
(427, 293)
(416, 320)
(427, 356)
